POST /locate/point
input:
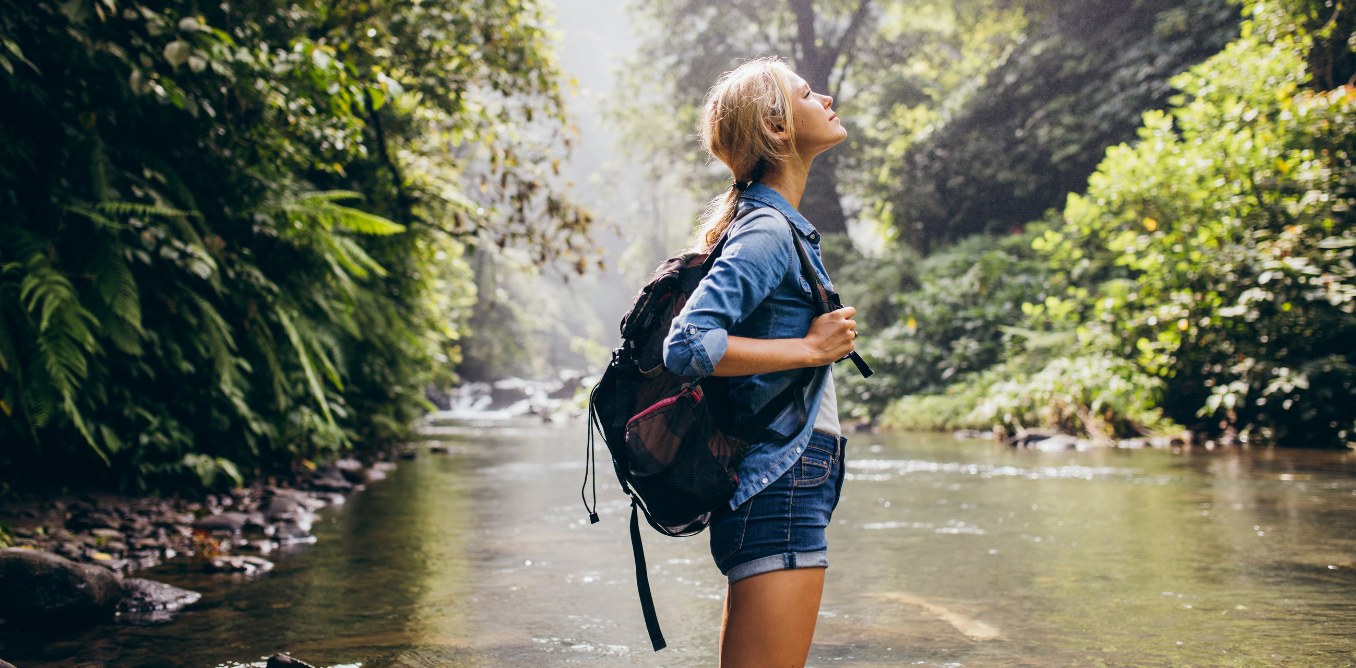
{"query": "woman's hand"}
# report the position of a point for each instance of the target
(831, 336)
(829, 339)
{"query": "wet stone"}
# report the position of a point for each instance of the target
(222, 522)
(45, 589)
(259, 546)
(241, 564)
(351, 469)
(140, 595)
(147, 543)
(285, 661)
(282, 507)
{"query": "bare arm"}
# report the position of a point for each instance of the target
(830, 338)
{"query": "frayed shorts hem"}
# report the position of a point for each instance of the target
(779, 562)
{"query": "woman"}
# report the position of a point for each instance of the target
(752, 320)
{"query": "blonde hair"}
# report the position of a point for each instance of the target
(739, 118)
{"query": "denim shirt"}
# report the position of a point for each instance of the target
(755, 290)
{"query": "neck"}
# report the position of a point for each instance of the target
(789, 182)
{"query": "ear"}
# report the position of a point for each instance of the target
(777, 129)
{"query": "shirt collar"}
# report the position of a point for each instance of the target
(765, 195)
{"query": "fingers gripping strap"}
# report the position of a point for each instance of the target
(643, 584)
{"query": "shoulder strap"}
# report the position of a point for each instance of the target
(808, 271)
(760, 421)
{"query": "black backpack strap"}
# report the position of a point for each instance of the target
(643, 583)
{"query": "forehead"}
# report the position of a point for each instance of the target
(795, 80)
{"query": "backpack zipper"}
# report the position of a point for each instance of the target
(695, 393)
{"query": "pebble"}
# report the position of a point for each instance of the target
(239, 564)
(122, 534)
(222, 522)
(285, 661)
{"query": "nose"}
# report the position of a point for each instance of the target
(828, 101)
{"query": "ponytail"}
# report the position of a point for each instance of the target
(721, 210)
(737, 124)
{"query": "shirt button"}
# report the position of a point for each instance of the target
(797, 450)
(764, 481)
(814, 236)
(691, 329)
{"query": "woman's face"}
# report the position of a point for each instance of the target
(817, 126)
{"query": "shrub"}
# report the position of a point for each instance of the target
(1217, 251)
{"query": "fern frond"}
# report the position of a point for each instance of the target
(326, 349)
(217, 335)
(73, 413)
(115, 208)
(329, 195)
(263, 342)
(363, 222)
(311, 379)
(114, 283)
(319, 207)
(357, 255)
(95, 217)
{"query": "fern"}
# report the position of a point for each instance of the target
(118, 289)
(311, 379)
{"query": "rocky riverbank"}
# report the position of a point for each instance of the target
(66, 555)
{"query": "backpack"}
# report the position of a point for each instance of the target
(674, 441)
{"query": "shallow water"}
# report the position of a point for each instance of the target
(942, 553)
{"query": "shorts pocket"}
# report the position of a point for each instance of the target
(813, 468)
(727, 531)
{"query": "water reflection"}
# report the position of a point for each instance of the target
(943, 553)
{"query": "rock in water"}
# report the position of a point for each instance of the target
(222, 522)
(246, 565)
(147, 595)
(42, 588)
(285, 661)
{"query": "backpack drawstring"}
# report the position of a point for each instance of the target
(591, 461)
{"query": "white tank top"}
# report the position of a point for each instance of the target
(827, 420)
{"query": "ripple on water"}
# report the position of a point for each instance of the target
(907, 466)
(952, 526)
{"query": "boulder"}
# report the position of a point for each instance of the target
(285, 661)
(246, 565)
(351, 468)
(147, 595)
(282, 507)
(330, 479)
(42, 588)
(1056, 443)
(221, 522)
(290, 533)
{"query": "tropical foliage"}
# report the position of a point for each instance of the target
(886, 62)
(1206, 276)
(234, 232)
(1031, 123)
(1218, 249)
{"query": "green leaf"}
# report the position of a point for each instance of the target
(311, 379)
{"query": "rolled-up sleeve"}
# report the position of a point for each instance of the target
(756, 259)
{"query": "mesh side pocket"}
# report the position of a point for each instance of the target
(679, 460)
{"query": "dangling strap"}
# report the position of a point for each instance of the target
(643, 583)
(591, 460)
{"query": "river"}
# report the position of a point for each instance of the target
(943, 553)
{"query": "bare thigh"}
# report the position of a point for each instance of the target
(770, 619)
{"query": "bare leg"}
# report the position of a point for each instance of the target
(770, 619)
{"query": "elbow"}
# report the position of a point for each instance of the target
(691, 352)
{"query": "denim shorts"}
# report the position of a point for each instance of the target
(782, 527)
